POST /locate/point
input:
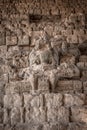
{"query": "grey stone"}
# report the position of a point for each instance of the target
(2, 38)
(79, 114)
(77, 126)
(74, 99)
(69, 86)
(68, 71)
(11, 39)
(24, 40)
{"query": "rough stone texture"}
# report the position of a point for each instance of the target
(79, 114)
(43, 65)
(74, 99)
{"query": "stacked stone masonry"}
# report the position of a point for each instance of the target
(43, 65)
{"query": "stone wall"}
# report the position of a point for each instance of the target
(43, 65)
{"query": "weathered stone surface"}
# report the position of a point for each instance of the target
(58, 115)
(12, 107)
(53, 100)
(1, 127)
(77, 126)
(43, 84)
(69, 59)
(39, 38)
(68, 71)
(15, 116)
(11, 101)
(2, 38)
(73, 50)
(11, 39)
(1, 115)
(43, 65)
(83, 47)
(24, 40)
(83, 58)
(2, 87)
(17, 58)
(84, 75)
(85, 87)
(18, 87)
(69, 86)
(59, 126)
(3, 68)
(74, 99)
(55, 111)
(72, 39)
(79, 114)
(28, 126)
(35, 110)
(82, 65)
(46, 57)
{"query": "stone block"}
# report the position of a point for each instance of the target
(12, 109)
(1, 99)
(73, 18)
(81, 36)
(12, 50)
(60, 114)
(4, 78)
(77, 126)
(35, 110)
(7, 127)
(83, 47)
(72, 39)
(83, 58)
(43, 84)
(11, 101)
(85, 87)
(28, 126)
(77, 85)
(18, 87)
(3, 51)
(8, 101)
(69, 59)
(1, 70)
(2, 87)
(84, 75)
(74, 51)
(1, 127)
(15, 116)
(79, 114)
(69, 86)
(27, 99)
(1, 115)
(2, 39)
(11, 39)
(7, 119)
(58, 126)
(24, 40)
(53, 100)
(81, 65)
(17, 59)
(74, 99)
(68, 71)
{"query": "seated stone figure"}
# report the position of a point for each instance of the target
(41, 55)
